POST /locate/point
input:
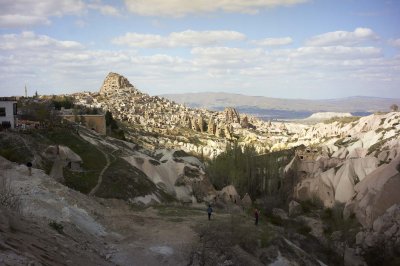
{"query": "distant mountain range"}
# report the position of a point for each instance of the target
(270, 108)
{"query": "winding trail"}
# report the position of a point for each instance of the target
(106, 155)
(100, 179)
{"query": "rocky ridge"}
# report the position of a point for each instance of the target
(156, 122)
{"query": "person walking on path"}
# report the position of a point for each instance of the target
(209, 211)
(256, 215)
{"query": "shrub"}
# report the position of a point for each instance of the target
(276, 220)
(304, 229)
(334, 221)
(342, 120)
(57, 226)
(311, 204)
(8, 198)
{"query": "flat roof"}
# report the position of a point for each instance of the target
(8, 99)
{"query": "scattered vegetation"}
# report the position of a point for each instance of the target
(345, 141)
(342, 120)
(334, 221)
(13, 148)
(179, 211)
(57, 226)
(8, 197)
(123, 181)
(378, 146)
(93, 160)
(224, 233)
(180, 153)
(62, 101)
(311, 204)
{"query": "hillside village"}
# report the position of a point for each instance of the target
(328, 192)
(194, 130)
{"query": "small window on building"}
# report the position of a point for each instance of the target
(15, 108)
(2, 111)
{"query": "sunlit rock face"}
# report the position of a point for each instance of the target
(376, 193)
(113, 83)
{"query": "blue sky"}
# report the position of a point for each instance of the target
(310, 49)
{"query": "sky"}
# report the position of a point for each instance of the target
(308, 49)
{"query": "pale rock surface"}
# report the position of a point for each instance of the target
(352, 172)
(327, 115)
(336, 184)
(229, 194)
(175, 175)
(246, 201)
(58, 203)
(384, 234)
(376, 193)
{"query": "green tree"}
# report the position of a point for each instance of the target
(110, 121)
(234, 166)
(62, 101)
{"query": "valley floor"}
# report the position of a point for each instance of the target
(159, 235)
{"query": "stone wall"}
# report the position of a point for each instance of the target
(96, 122)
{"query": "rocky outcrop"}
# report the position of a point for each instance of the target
(245, 122)
(382, 240)
(178, 174)
(113, 83)
(246, 201)
(231, 115)
(229, 195)
(378, 191)
(329, 179)
(327, 115)
(211, 127)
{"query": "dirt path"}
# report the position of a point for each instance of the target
(162, 236)
(100, 179)
(98, 146)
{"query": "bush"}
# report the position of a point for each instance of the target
(304, 229)
(8, 198)
(276, 220)
(342, 120)
(311, 204)
(57, 226)
(334, 221)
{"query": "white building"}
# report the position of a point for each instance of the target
(8, 111)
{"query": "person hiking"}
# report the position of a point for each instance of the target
(256, 215)
(209, 211)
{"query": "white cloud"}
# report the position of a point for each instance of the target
(14, 13)
(29, 40)
(336, 52)
(186, 38)
(395, 42)
(178, 8)
(273, 41)
(15, 21)
(227, 53)
(27, 13)
(107, 10)
(345, 38)
(62, 66)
